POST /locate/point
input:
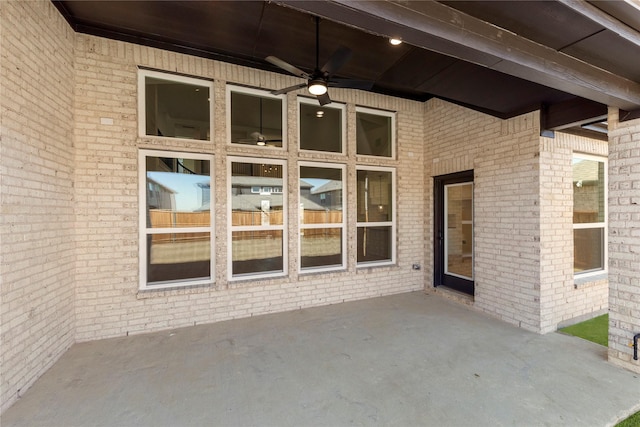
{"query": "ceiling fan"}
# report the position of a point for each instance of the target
(321, 78)
(258, 137)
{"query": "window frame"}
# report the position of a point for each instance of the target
(383, 113)
(594, 225)
(261, 93)
(143, 73)
(145, 231)
(343, 132)
(342, 225)
(392, 223)
(231, 228)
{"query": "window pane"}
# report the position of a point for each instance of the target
(588, 191)
(320, 195)
(262, 208)
(320, 128)
(459, 230)
(256, 120)
(374, 196)
(588, 245)
(178, 256)
(177, 109)
(178, 192)
(374, 244)
(373, 134)
(320, 247)
(257, 251)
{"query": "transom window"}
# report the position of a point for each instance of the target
(589, 214)
(176, 228)
(256, 117)
(321, 127)
(258, 219)
(376, 215)
(322, 219)
(174, 106)
(375, 132)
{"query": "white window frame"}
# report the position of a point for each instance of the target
(343, 132)
(392, 223)
(262, 93)
(142, 90)
(231, 228)
(384, 113)
(145, 231)
(342, 225)
(596, 225)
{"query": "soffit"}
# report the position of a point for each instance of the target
(245, 32)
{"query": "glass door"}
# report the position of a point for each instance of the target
(459, 230)
(453, 242)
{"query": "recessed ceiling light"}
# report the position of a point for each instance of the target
(395, 41)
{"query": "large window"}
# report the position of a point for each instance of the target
(256, 117)
(321, 127)
(375, 132)
(258, 212)
(589, 214)
(322, 219)
(376, 215)
(176, 230)
(174, 106)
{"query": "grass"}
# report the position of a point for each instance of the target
(632, 421)
(595, 330)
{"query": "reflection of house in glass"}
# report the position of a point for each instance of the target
(205, 196)
(256, 200)
(328, 195)
(588, 214)
(588, 191)
(160, 196)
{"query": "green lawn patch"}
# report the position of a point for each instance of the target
(632, 421)
(595, 330)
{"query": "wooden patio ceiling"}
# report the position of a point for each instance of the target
(569, 58)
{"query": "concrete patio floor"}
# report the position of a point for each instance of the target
(403, 360)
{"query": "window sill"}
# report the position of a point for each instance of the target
(589, 280)
(177, 289)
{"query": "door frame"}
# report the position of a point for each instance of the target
(439, 279)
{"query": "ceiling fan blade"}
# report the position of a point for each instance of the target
(351, 84)
(288, 89)
(324, 99)
(287, 67)
(337, 60)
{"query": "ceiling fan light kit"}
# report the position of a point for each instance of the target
(320, 79)
(317, 87)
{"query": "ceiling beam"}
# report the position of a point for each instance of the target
(440, 28)
(600, 17)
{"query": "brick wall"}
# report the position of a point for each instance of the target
(504, 157)
(624, 239)
(563, 299)
(108, 300)
(36, 152)
(523, 205)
